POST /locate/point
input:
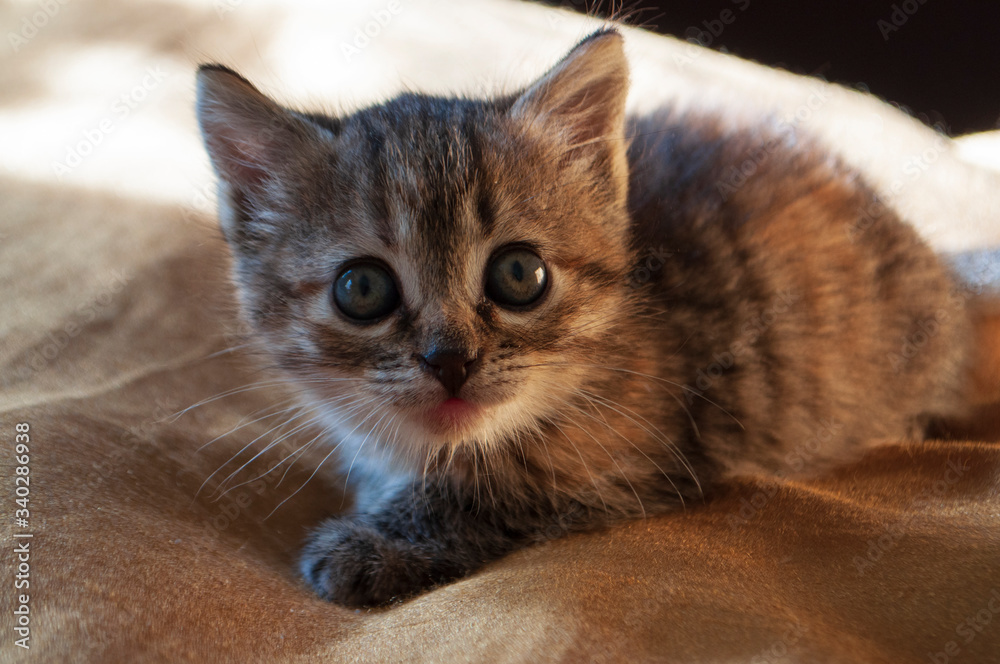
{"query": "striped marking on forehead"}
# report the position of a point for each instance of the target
(432, 202)
(426, 161)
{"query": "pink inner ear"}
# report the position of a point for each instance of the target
(248, 136)
(586, 114)
(238, 158)
(583, 96)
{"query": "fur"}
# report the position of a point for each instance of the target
(695, 325)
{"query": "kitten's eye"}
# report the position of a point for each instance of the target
(365, 292)
(516, 278)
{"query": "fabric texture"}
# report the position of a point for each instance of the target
(123, 353)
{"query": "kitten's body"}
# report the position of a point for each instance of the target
(690, 328)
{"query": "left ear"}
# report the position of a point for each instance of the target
(582, 98)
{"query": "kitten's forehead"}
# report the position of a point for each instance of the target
(432, 158)
(430, 184)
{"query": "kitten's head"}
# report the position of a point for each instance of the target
(432, 272)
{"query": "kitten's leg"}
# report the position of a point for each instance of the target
(422, 536)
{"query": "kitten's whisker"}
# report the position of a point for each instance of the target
(687, 411)
(351, 409)
(313, 409)
(673, 451)
(381, 404)
(520, 449)
(236, 390)
(318, 466)
(298, 454)
(273, 468)
(226, 351)
(293, 453)
(263, 384)
(621, 471)
(651, 377)
(488, 474)
(223, 486)
(584, 462)
(304, 412)
(248, 423)
(245, 448)
(681, 347)
(395, 436)
(475, 474)
(326, 430)
(602, 421)
(429, 453)
(540, 435)
(651, 429)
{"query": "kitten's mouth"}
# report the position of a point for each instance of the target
(452, 415)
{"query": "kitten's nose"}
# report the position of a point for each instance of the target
(451, 367)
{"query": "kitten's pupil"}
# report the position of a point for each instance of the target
(518, 271)
(516, 278)
(365, 292)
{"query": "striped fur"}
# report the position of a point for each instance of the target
(696, 324)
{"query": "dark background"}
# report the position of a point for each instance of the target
(942, 64)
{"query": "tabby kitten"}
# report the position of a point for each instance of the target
(532, 315)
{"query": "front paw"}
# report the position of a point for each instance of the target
(351, 563)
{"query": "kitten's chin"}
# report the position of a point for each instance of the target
(453, 418)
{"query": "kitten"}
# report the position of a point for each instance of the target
(532, 315)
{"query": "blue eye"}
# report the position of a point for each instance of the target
(516, 278)
(365, 292)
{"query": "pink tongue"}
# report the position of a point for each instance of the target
(453, 406)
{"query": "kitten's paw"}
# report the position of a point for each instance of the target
(353, 564)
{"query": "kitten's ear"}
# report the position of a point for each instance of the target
(583, 96)
(249, 138)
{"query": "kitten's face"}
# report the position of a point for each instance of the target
(431, 271)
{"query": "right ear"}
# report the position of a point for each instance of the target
(250, 139)
(582, 98)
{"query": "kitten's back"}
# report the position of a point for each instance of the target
(809, 308)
